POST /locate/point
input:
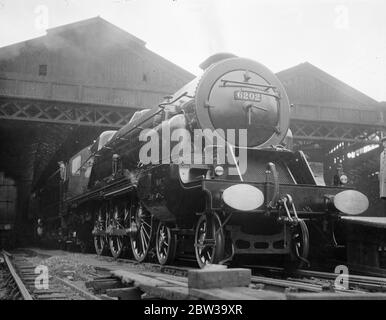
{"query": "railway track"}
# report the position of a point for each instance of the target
(278, 280)
(19, 282)
(175, 270)
(12, 281)
(324, 281)
(122, 277)
(301, 280)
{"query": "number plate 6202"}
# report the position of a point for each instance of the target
(247, 96)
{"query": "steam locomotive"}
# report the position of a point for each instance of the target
(208, 173)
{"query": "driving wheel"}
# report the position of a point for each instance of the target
(115, 241)
(100, 242)
(141, 224)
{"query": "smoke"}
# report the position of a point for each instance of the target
(53, 44)
(208, 15)
(11, 52)
(69, 42)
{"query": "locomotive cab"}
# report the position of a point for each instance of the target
(78, 173)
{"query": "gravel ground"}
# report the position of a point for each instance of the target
(70, 266)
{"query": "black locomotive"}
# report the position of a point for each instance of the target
(262, 202)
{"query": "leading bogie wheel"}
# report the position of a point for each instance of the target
(300, 245)
(166, 244)
(209, 240)
(141, 224)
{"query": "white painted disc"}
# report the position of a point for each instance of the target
(243, 197)
(351, 202)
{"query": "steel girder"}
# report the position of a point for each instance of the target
(313, 130)
(64, 112)
(114, 117)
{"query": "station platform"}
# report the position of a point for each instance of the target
(366, 243)
(377, 222)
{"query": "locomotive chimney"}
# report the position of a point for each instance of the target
(216, 58)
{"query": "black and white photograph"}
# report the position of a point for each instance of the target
(173, 152)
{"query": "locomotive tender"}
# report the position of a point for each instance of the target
(262, 201)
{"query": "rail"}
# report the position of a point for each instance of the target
(19, 283)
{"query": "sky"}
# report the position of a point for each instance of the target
(345, 38)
